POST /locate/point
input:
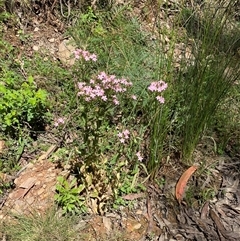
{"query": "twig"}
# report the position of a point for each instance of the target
(150, 217)
(69, 9)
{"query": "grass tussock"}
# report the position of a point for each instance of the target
(36, 227)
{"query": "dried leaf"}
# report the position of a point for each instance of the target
(133, 196)
(2, 146)
(182, 182)
(94, 206)
(204, 211)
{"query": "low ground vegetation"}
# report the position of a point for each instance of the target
(131, 102)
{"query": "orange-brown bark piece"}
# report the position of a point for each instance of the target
(182, 182)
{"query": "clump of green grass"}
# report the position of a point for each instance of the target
(226, 123)
(53, 227)
(206, 82)
(36, 227)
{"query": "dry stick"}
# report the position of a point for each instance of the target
(150, 217)
(69, 9)
(2, 202)
(53, 5)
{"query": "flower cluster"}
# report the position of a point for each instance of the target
(123, 136)
(104, 87)
(85, 54)
(59, 121)
(158, 86)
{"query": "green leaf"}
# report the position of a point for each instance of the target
(30, 80)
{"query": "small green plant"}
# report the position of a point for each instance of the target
(69, 196)
(21, 102)
(160, 182)
(23, 36)
(128, 183)
(207, 194)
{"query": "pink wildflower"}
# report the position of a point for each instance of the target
(119, 89)
(92, 95)
(160, 99)
(139, 156)
(59, 121)
(134, 97)
(120, 134)
(126, 133)
(99, 92)
(122, 140)
(85, 54)
(80, 93)
(77, 53)
(123, 136)
(104, 87)
(81, 85)
(158, 86)
(112, 78)
(104, 98)
(115, 101)
(152, 87)
(161, 86)
(93, 57)
(102, 75)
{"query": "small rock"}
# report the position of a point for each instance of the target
(137, 226)
(65, 52)
(139, 212)
(67, 167)
(35, 48)
(36, 29)
(30, 200)
(51, 40)
(40, 191)
(28, 183)
(53, 189)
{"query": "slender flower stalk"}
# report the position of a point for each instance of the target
(157, 124)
